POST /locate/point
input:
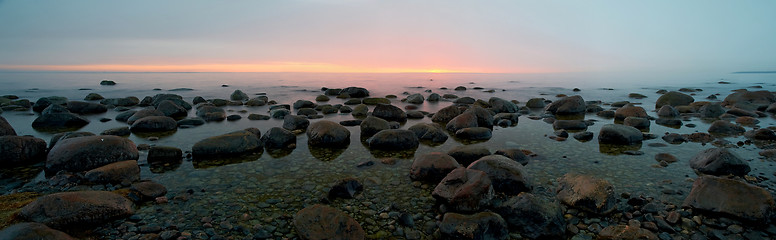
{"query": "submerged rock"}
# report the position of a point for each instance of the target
(429, 131)
(320, 222)
(77, 209)
(393, 139)
(211, 113)
(345, 188)
(372, 125)
(85, 107)
(466, 154)
(124, 172)
(278, 138)
(484, 225)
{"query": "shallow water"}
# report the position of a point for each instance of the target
(260, 192)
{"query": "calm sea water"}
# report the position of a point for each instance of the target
(300, 176)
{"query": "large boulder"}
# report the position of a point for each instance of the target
(57, 117)
(567, 106)
(499, 105)
(393, 139)
(124, 172)
(148, 112)
(389, 112)
(484, 225)
(619, 134)
(45, 102)
(533, 216)
(230, 144)
(372, 125)
(464, 190)
(732, 198)
(587, 193)
(171, 109)
(429, 131)
(5, 128)
(211, 113)
(154, 124)
(722, 127)
(535, 103)
(295, 122)
(667, 111)
(77, 209)
(320, 222)
(326, 133)
(121, 102)
(360, 110)
(673, 99)
(89, 152)
(474, 133)
(32, 231)
(177, 99)
(569, 125)
(355, 92)
(21, 150)
(711, 110)
(515, 154)
(464, 120)
(446, 114)
(415, 98)
(278, 138)
(466, 154)
(432, 167)
(304, 104)
(238, 95)
(719, 161)
(506, 175)
(630, 111)
(65, 135)
(80, 107)
(756, 100)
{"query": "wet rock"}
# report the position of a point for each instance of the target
(65, 135)
(351, 123)
(89, 152)
(535, 103)
(499, 105)
(124, 172)
(567, 106)
(606, 114)
(630, 111)
(722, 127)
(124, 116)
(211, 113)
(320, 222)
(376, 101)
(255, 102)
(93, 97)
(230, 144)
(393, 139)
(667, 111)
(121, 102)
(171, 109)
(195, 121)
(484, 225)
(278, 138)
(619, 134)
(506, 175)
(360, 110)
(515, 154)
(79, 107)
(731, 198)
(355, 92)
(143, 113)
(5, 128)
(327, 134)
(119, 131)
(718, 162)
(372, 125)
(45, 102)
(57, 117)
(414, 114)
(464, 190)
(306, 112)
(346, 188)
(533, 216)
(474, 133)
(464, 120)
(164, 154)
(434, 97)
(747, 121)
(432, 167)
(107, 83)
(587, 193)
(673, 99)
(304, 104)
(711, 110)
(238, 95)
(465, 100)
(674, 138)
(626, 232)
(148, 190)
(389, 112)
(741, 112)
(466, 154)
(154, 124)
(279, 113)
(669, 122)
(637, 122)
(292, 122)
(569, 125)
(77, 209)
(763, 134)
(583, 136)
(21, 150)
(415, 98)
(33, 231)
(750, 100)
(429, 131)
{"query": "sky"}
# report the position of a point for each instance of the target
(387, 36)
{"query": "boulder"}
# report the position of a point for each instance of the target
(569, 125)
(77, 209)
(21, 150)
(164, 154)
(57, 117)
(731, 198)
(586, 193)
(170, 109)
(718, 162)
(484, 116)
(393, 139)
(619, 134)
(567, 106)
(515, 154)
(670, 122)
(148, 190)
(446, 114)
(304, 104)
(124, 116)
(295, 122)
(465, 100)
(255, 102)
(415, 98)
(320, 222)
(432, 167)
(372, 125)
(506, 175)
(148, 112)
(230, 144)
(583, 136)
(89, 152)
(375, 101)
(750, 100)
(124, 172)
(429, 131)
(326, 133)
(466, 154)
(80, 107)
(211, 113)
(464, 120)
(306, 112)
(32, 231)
(194, 121)
(533, 216)
(154, 124)
(499, 105)
(484, 225)
(415, 114)
(355, 92)
(637, 122)
(119, 131)
(630, 111)
(389, 112)
(45, 102)
(238, 95)
(722, 127)
(474, 133)
(278, 138)
(464, 190)
(279, 113)
(673, 99)
(361, 110)
(434, 97)
(667, 111)
(535, 103)
(711, 110)
(763, 134)
(5, 128)
(93, 97)
(121, 102)
(177, 99)
(65, 135)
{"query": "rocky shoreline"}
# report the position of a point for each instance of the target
(93, 186)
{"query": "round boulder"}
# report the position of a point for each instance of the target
(33, 231)
(619, 134)
(372, 125)
(389, 112)
(295, 122)
(673, 99)
(89, 152)
(429, 131)
(567, 106)
(718, 162)
(466, 154)
(278, 138)
(320, 222)
(21, 150)
(230, 144)
(154, 124)
(326, 133)
(587, 193)
(506, 175)
(124, 172)
(57, 117)
(464, 190)
(432, 167)
(393, 139)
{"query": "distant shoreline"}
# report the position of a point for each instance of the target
(754, 72)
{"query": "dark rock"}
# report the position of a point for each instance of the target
(484, 225)
(667, 111)
(306, 112)
(107, 83)
(464, 120)
(119, 131)
(124, 116)
(587, 193)
(718, 162)
(154, 124)
(122, 102)
(230, 144)
(211, 113)
(432, 167)
(674, 138)
(466, 154)
(164, 154)
(65, 135)
(393, 139)
(429, 131)
(360, 110)
(327, 134)
(89, 152)
(143, 113)
(535, 103)
(567, 106)
(45, 102)
(414, 114)
(79, 107)
(637, 122)
(195, 121)
(668, 122)
(569, 124)
(434, 97)
(5, 128)
(355, 92)
(763, 134)
(171, 109)
(606, 114)
(615, 232)
(750, 100)
(255, 102)
(346, 188)
(499, 105)
(583, 136)
(711, 110)
(32, 231)
(115, 173)
(372, 125)
(57, 117)
(722, 127)
(321, 222)
(238, 95)
(292, 122)
(93, 97)
(278, 138)
(77, 209)
(506, 175)
(376, 101)
(533, 216)
(465, 100)
(464, 190)
(741, 112)
(304, 104)
(474, 133)
(415, 98)
(630, 111)
(619, 134)
(148, 190)
(731, 198)
(389, 112)
(515, 154)
(21, 150)
(673, 99)
(446, 114)
(351, 123)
